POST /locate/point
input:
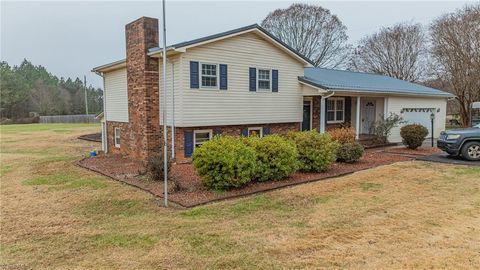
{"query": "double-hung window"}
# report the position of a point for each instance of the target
(264, 79)
(201, 136)
(335, 110)
(209, 74)
(117, 137)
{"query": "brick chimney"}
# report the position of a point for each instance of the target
(143, 88)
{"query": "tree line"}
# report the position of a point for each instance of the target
(31, 88)
(444, 54)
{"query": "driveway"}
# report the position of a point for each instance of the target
(444, 158)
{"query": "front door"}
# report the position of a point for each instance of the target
(368, 116)
(307, 115)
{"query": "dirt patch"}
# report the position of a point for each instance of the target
(94, 137)
(421, 151)
(190, 192)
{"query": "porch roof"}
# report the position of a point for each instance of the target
(348, 81)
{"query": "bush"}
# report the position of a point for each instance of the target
(350, 152)
(276, 157)
(343, 135)
(225, 162)
(155, 166)
(413, 135)
(383, 127)
(316, 151)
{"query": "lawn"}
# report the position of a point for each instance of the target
(55, 215)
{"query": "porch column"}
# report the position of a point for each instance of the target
(357, 120)
(385, 107)
(322, 115)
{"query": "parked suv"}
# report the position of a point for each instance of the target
(461, 142)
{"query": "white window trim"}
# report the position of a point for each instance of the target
(335, 110)
(260, 129)
(200, 74)
(270, 76)
(116, 134)
(195, 132)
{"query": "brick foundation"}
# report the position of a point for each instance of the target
(235, 130)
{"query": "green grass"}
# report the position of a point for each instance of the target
(28, 128)
(66, 181)
(5, 169)
(258, 203)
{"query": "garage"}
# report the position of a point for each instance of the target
(419, 116)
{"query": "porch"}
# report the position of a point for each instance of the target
(332, 111)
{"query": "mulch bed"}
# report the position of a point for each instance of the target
(94, 137)
(190, 192)
(421, 151)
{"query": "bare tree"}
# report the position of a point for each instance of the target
(456, 51)
(397, 51)
(311, 30)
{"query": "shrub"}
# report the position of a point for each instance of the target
(276, 157)
(350, 152)
(155, 166)
(225, 162)
(413, 135)
(316, 151)
(383, 127)
(343, 135)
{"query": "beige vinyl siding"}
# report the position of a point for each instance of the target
(396, 104)
(174, 86)
(238, 105)
(116, 95)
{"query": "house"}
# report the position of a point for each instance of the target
(242, 82)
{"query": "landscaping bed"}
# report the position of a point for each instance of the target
(190, 192)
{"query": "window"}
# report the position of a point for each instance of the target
(201, 136)
(335, 110)
(209, 76)
(255, 132)
(264, 79)
(117, 137)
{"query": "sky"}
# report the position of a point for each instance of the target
(69, 38)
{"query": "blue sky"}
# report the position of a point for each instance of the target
(71, 37)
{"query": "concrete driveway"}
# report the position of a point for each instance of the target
(444, 158)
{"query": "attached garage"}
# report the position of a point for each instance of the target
(417, 110)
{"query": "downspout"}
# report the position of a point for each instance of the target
(173, 111)
(105, 147)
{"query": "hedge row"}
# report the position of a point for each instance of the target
(228, 162)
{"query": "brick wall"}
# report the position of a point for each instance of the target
(234, 130)
(145, 133)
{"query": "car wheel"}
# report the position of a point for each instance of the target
(471, 151)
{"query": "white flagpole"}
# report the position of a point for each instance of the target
(164, 109)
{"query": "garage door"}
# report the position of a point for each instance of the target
(422, 118)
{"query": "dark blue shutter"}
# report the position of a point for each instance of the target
(253, 79)
(188, 143)
(274, 80)
(194, 74)
(223, 77)
(266, 131)
(244, 132)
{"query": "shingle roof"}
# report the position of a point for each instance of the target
(349, 81)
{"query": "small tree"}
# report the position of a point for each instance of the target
(382, 128)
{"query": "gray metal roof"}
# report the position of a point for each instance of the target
(343, 80)
(234, 31)
(349, 81)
